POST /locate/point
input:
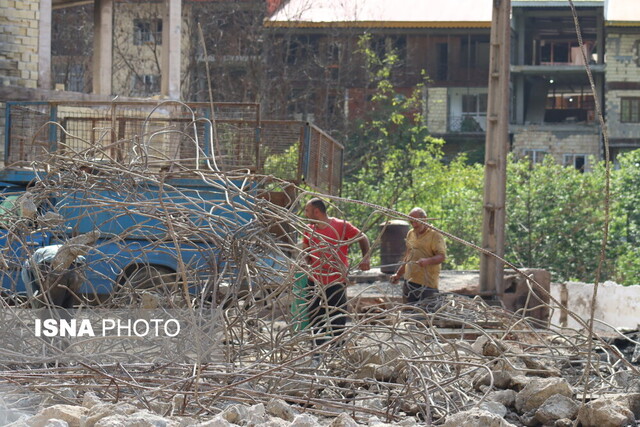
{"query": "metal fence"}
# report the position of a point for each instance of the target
(172, 136)
(467, 123)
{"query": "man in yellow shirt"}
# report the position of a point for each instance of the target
(426, 251)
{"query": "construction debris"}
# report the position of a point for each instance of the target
(242, 357)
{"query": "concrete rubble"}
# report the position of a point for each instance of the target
(547, 409)
(469, 364)
(247, 358)
(511, 397)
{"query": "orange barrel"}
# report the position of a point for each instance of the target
(392, 246)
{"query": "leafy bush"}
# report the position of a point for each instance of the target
(554, 214)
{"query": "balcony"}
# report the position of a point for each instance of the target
(467, 124)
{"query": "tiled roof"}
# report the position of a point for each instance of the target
(622, 12)
(384, 13)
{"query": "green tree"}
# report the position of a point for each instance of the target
(555, 214)
(450, 193)
(625, 229)
(393, 125)
(554, 218)
(394, 162)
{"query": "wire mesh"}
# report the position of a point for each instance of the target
(195, 247)
(31, 140)
(280, 148)
(323, 171)
(174, 136)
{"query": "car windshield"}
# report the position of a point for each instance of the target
(7, 210)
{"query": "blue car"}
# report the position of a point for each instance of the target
(181, 236)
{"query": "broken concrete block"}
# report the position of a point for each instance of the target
(104, 410)
(304, 420)
(518, 382)
(139, 419)
(505, 397)
(476, 418)
(68, 413)
(72, 249)
(479, 343)
(501, 379)
(605, 413)
(538, 390)
(255, 415)
(556, 408)
(494, 407)
(528, 419)
(27, 205)
(371, 351)
(281, 409)
(217, 421)
(90, 399)
(19, 423)
(378, 372)
(630, 401)
(343, 420)
(56, 423)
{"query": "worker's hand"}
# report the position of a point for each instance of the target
(423, 262)
(394, 278)
(365, 264)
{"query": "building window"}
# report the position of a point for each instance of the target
(145, 84)
(475, 104)
(474, 53)
(442, 59)
(333, 60)
(578, 161)
(535, 156)
(554, 52)
(302, 49)
(630, 110)
(71, 76)
(147, 31)
(334, 53)
(387, 45)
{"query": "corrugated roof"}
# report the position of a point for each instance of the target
(622, 12)
(384, 13)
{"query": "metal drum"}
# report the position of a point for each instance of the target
(392, 245)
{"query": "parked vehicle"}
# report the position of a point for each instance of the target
(170, 214)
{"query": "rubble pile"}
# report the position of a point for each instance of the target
(396, 366)
(243, 357)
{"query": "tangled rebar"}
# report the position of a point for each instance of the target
(225, 331)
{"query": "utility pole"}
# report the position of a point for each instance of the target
(496, 148)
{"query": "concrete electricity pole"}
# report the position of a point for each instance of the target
(497, 142)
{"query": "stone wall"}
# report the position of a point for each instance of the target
(623, 78)
(616, 128)
(557, 142)
(623, 58)
(437, 109)
(19, 25)
(19, 42)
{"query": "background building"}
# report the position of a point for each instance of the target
(303, 59)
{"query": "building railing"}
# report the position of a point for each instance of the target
(466, 124)
(166, 136)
